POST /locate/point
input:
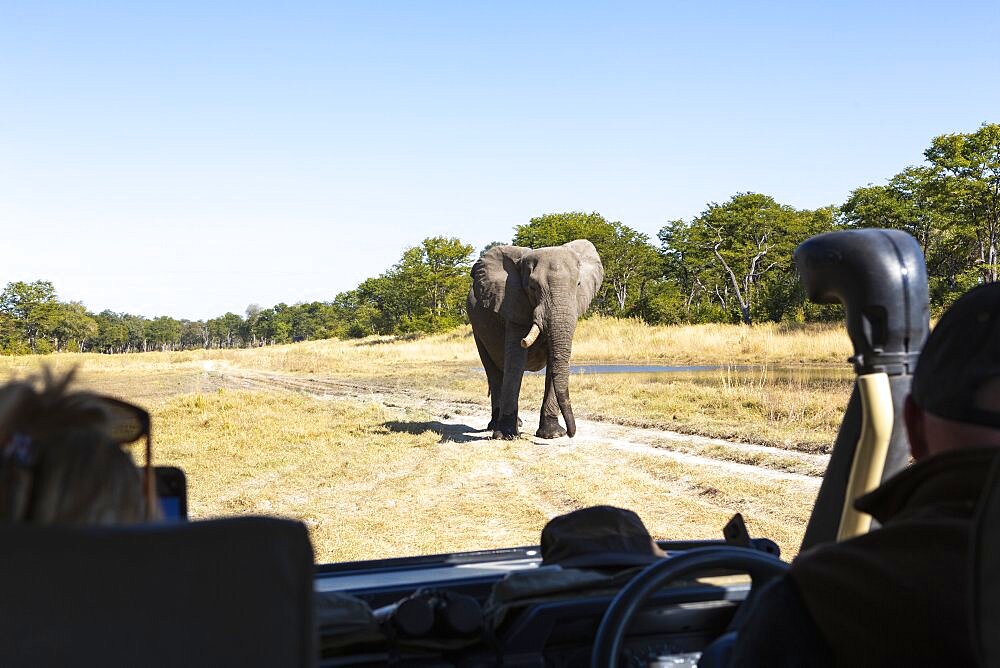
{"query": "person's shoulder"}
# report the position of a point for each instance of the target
(856, 586)
(839, 569)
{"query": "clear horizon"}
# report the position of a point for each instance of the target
(184, 160)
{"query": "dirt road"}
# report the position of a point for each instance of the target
(465, 422)
(412, 470)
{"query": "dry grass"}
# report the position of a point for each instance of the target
(366, 490)
(597, 340)
(800, 412)
(634, 341)
(794, 412)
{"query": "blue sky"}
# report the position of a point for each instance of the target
(188, 158)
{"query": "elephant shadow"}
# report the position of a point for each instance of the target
(450, 433)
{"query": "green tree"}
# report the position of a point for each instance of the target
(282, 323)
(691, 280)
(424, 292)
(135, 325)
(192, 334)
(309, 321)
(33, 308)
(950, 204)
(12, 341)
(224, 331)
(630, 261)
(74, 328)
(164, 332)
(555, 229)
(381, 304)
(447, 280)
(968, 169)
(262, 326)
(915, 201)
(739, 253)
(359, 311)
(249, 331)
(405, 287)
(112, 334)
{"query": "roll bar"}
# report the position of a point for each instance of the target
(880, 278)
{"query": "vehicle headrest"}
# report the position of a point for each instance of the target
(222, 592)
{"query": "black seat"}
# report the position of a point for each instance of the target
(985, 585)
(233, 592)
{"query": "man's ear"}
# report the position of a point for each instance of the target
(913, 417)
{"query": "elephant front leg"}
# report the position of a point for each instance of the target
(494, 378)
(515, 358)
(548, 421)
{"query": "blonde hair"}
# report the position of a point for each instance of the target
(59, 460)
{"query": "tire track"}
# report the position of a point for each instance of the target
(742, 459)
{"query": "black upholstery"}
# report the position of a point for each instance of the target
(720, 653)
(985, 585)
(233, 592)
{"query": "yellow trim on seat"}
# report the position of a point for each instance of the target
(869, 456)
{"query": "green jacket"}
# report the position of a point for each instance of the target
(897, 596)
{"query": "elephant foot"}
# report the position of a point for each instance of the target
(506, 427)
(493, 425)
(550, 428)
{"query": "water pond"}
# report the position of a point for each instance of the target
(727, 372)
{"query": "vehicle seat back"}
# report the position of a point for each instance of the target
(719, 654)
(223, 592)
(985, 585)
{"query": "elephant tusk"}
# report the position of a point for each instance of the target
(532, 335)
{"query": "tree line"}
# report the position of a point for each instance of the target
(730, 263)
(424, 292)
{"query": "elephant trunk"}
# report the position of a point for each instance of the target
(560, 347)
(562, 396)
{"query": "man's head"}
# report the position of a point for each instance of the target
(955, 398)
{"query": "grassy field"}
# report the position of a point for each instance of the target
(367, 489)
(793, 411)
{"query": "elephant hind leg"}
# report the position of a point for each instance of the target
(494, 377)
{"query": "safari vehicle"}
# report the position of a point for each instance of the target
(245, 591)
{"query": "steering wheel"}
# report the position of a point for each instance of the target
(761, 568)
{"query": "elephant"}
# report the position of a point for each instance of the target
(523, 307)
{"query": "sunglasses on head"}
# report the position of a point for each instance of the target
(127, 424)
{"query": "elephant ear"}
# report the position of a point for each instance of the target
(591, 273)
(496, 283)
